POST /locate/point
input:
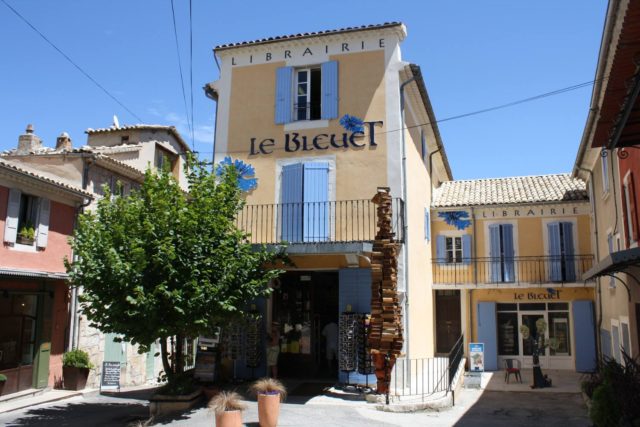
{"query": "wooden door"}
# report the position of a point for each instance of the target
(448, 323)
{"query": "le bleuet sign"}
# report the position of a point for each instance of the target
(295, 142)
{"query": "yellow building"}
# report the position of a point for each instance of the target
(508, 252)
(325, 119)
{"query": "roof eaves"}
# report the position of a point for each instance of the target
(422, 88)
(276, 39)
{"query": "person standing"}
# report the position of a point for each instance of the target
(273, 351)
(330, 334)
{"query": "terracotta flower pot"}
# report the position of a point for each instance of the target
(74, 378)
(229, 419)
(268, 409)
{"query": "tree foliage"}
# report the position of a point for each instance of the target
(161, 262)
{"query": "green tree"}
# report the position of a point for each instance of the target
(164, 263)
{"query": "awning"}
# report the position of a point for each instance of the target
(614, 263)
(32, 274)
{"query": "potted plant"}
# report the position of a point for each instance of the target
(227, 407)
(270, 392)
(3, 379)
(27, 234)
(75, 369)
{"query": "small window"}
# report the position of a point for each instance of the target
(308, 91)
(165, 160)
(453, 248)
(27, 219)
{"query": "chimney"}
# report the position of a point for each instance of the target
(28, 142)
(63, 143)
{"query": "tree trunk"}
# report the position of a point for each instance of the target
(165, 358)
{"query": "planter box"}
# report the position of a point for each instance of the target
(74, 378)
(162, 404)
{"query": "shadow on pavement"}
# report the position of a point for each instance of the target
(85, 414)
(522, 409)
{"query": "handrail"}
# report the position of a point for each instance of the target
(519, 269)
(339, 221)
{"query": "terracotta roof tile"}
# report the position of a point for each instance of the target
(306, 35)
(512, 190)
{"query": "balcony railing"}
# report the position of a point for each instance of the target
(341, 221)
(511, 270)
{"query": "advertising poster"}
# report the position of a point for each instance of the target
(476, 357)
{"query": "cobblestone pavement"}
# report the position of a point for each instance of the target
(473, 408)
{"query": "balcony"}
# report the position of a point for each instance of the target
(313, 223)
(515, 271)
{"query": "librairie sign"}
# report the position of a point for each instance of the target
(294, 141)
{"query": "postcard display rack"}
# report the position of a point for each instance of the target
(242, 341)
(353, 344)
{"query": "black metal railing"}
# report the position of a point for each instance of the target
(511, 270)
(338, 221)
(424, 377)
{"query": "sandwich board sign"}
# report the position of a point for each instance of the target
(476, 357)
(110, 376)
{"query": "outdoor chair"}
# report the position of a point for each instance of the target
(512, 366)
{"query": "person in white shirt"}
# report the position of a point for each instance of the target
(330, 334)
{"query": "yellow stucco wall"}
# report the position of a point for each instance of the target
(530, 235)
(361, 95)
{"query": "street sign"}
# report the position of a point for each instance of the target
(476, 357)
(110, 376)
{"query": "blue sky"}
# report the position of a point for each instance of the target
(473, 55)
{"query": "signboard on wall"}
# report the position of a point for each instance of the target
(110, 376)
(476, 357)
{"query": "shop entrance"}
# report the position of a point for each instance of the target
(302, 306)
(511, 343)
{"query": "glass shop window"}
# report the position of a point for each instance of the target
(18, 331)
(559, 334)
(508, 334)
(308, 94)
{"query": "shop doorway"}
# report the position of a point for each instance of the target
(448, 323)
(302, 306)
(527, 345)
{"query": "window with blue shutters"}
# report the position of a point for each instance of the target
(561, 252)
(304, 208)
(453, 249)
(501, 253)
(309, 93)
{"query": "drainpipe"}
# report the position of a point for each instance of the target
(405, 232)
(431, 164)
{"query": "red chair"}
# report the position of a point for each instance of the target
(512, 366)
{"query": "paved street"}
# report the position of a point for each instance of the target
(473, 408)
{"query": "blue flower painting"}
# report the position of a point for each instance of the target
(352, 123)
(456, 218)
(245, 173)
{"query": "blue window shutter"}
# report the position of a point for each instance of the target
(316, 202)
(284, 76)
(427, 225)
(466, 248)
(508, 252)
(555, 256)
(494, 253)
(441, 255)
(291, 199)
(329, 90)
(488, 334)
(584, 330)
(569, 252)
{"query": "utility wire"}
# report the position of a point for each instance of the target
(86, 74)
(184, 95)
(472, 113)
(191, 67)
